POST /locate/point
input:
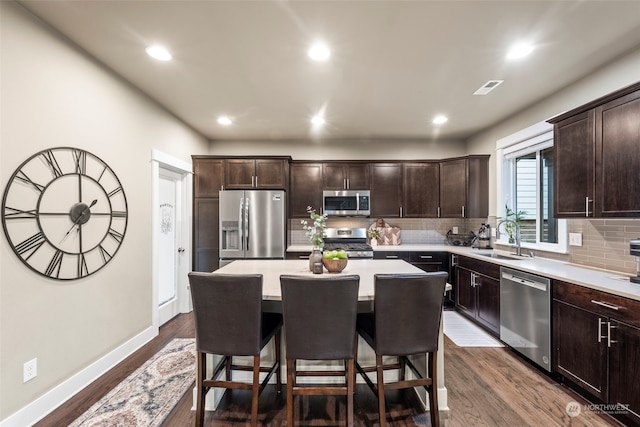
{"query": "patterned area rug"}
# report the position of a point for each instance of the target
(465, 334)
(149, 394)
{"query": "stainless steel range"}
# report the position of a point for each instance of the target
(352, 240)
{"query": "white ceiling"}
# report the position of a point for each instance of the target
(394, 64)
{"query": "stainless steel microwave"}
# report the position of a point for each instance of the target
(346, 203)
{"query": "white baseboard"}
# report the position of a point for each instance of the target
(45, 404)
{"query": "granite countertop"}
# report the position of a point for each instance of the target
(606, 281)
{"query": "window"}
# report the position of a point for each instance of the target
(526, 188)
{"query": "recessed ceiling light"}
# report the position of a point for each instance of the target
(224, 120)
(319, 52)
(318, 120)
(438, 120)
(159, 52)
(519, 50)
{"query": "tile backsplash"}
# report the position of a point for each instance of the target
(605, 242)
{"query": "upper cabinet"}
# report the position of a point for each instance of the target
(346, 176)
(597, 154)
(386, 190)
(618, 157)
(257, 173)
(420, 190)
(305, 188)
(464, 187)
(574, 148)
(208, 176)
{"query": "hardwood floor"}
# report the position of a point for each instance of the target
(486, 387)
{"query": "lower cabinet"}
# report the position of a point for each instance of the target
(426, 261)
(477, 292)
(596, 341)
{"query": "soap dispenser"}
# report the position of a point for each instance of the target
(484, 237)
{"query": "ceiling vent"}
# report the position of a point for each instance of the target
(488, 87)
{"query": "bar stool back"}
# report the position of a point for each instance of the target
(229, 321)
(320, 324)
(405, 322)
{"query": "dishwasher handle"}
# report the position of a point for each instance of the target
(526, 282)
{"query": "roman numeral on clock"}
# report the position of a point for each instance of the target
(30, 245)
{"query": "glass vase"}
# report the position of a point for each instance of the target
(314, 258)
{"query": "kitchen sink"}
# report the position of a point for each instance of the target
(501, 256)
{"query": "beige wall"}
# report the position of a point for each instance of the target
(618, 74)
(54, 95)
(343, 149)
(605, 242)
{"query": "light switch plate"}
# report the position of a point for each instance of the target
(575, 239)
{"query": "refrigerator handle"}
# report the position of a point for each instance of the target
(241, 223)
(247, 222)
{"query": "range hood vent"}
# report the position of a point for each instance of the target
(488, 87)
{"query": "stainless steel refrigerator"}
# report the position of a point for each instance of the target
(252, 225)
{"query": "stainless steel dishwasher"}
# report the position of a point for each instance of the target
(525, 315)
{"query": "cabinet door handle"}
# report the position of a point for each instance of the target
(473, 280)
(400, 211)
(604, 304)
(600, 323)
(438, 211)
(609, 340)
(454, 260)
(463, 216)
(391, 257)
(586, 206)
(256, 181)
(303, 256)
(426, 256)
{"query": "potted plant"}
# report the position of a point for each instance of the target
(315, 233)
(514, 216)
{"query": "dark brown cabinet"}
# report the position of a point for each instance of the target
(464, 186)
(213, 174)
(208, 176)
(477, 292)
(386, 189)
(257, 173)
(597, 157)
(346, 176)
(305, 188)
(208, 180)
(420, 190)
(426, 261)
(618, 157)
(596, 341)
(574, 166)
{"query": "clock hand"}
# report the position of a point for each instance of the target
(77, 220)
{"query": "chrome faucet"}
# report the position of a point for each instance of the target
(518, 248)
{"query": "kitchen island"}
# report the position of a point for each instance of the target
(271, 271)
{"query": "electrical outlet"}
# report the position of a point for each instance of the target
(30, 370)
(575, 239)
(455, 230)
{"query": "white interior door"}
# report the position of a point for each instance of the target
(169, 243)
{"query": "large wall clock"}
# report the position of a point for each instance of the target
(64, 213)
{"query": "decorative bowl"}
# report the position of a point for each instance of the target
(334, 265)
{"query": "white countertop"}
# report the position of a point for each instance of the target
(606, 281)
(272, 269)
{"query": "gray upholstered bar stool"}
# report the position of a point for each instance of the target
(229, 321)
(320, 324)
(405, 322)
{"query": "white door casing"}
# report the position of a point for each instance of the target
(171, 237)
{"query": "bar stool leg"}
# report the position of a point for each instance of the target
(381, 402)
(434, 411)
